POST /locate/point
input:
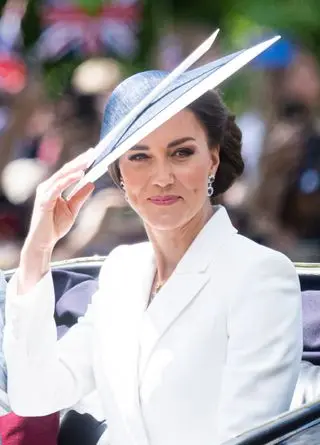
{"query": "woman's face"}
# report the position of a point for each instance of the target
(165, 176)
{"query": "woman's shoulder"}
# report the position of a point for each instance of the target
(261, 276)
(252, 253)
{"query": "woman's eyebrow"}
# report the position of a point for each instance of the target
(170, 145)
(180, 141)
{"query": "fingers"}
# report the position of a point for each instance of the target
(79, 164)
(51, 189)
(47, 196)
(76, 202)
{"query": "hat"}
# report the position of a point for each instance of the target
(146, 100)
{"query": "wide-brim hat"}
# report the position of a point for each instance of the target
(146, 100)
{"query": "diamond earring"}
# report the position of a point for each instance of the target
(210, 185)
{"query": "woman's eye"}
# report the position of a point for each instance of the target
(183, 152)
(138, 157)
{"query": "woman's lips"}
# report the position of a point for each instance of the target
(164, 200)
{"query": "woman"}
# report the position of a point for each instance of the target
(192, 337)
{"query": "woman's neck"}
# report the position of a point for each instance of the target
(170, 245)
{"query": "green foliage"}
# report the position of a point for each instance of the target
(298, 19)
(57, 76)
(2, 3)
(91, 6)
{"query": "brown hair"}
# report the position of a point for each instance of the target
(222, 130)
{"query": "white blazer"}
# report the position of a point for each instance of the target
(217, 351)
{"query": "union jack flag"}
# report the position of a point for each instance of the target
(70, 28)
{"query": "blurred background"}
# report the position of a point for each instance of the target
(60, 59)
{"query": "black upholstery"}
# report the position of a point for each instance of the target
(311, 326)
(277, 431)
(310, 282)
(81, 429)
(87, 268)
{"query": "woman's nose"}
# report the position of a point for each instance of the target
(163, 174)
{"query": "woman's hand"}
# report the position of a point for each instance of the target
(52, 219)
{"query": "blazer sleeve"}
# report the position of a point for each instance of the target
(264, 347)
(45, 375)
(4, 403)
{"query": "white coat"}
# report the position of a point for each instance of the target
(217, 351)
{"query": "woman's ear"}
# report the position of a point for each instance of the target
(215, 157)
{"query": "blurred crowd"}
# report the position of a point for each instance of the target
(278, 199)
(276, 202)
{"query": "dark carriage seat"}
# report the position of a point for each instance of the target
(311, 326)
(309, 281)
(308, 386)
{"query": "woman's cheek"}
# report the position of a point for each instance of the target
(193, 178)
(135, 192)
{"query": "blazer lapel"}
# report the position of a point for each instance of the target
(186, 282)
(170, 302)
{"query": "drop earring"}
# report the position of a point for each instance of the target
(210, 185)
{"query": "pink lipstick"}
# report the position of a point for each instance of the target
(164, 200)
